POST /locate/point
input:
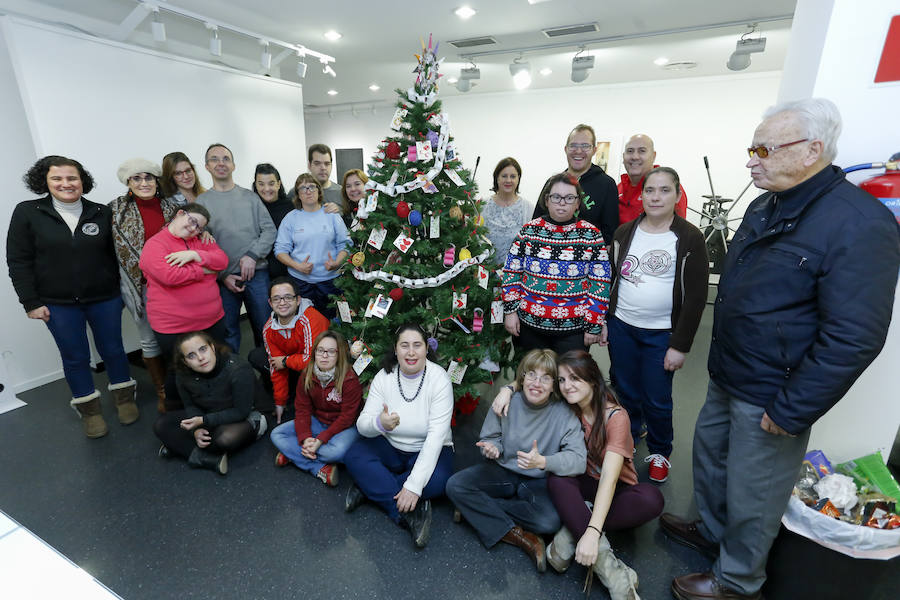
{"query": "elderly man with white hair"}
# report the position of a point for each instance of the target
(803, 307)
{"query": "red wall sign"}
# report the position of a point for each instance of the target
(889, 66)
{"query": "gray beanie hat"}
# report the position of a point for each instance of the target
(133, 166)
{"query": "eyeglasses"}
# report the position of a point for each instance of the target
(763, 151)
(558, 199)
(544, 379)
(576, 146)
(185, 173)
(215, 160)
(194, 223)
(285, 298)
(324, 352)
(138, 179)
(307, 188)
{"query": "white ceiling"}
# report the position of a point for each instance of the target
(380, 37)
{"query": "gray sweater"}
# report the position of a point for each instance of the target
(241, 225)
(555, 427)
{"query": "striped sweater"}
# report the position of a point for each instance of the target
(557, 276)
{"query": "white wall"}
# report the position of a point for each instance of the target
(687, 119)
(867, 418)
(103, 103)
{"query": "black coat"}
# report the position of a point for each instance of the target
(48, 264)
(601, 202)
(805, 298)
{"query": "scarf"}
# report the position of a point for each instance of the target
(325, 377)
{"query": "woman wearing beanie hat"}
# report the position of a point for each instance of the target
(136, 217)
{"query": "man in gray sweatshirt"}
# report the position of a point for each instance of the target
(245, 231)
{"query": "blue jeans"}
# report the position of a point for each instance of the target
(68, 325)
(645, 389)
(380, 470)
(285, 439)
(255, 297)
(318, 293)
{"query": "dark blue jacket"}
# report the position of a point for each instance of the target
(805, 298)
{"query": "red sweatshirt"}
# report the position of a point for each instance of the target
(630, 205)
(181, 299)
(293, 340)
(337, 410)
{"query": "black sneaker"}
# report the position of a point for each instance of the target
(354, 498)
(419, 522)
(164, 452)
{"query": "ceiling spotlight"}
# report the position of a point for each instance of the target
(215, 44)
(546, 71)
(580, 66)
(452, 80)
(521, 73)
(464, 12)
(466, 77)
(301, 66)
(332, 92)
(327, 70)
(266, 58)
(740, 58)
(158, 27)
(374, 87)
(332, 35)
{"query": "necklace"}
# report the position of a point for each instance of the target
(418, 389)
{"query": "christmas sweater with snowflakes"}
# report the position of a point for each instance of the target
(557, 276)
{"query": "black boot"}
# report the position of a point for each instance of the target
(419, 522)
(201, 458)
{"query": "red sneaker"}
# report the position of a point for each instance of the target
(329, 475)
(659, 467)
(281, 460)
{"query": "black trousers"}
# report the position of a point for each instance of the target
(558, 341)
(227, 438)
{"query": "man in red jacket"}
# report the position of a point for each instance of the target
(288, 338)
(638, 159)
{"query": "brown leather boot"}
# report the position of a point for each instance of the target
(156, 366)
(532, 544)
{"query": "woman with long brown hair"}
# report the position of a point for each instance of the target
(179, 179)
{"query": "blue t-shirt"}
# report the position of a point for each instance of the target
(314, 234)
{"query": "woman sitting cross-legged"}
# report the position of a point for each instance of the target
(505, 498)
(218, 390)
(406, 453)
(325, 409)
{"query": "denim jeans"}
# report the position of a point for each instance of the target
(285, 439)
(318, 293)
(255, 296)
(380, 470)
(494, 500)
(68, 325)
(645, 389)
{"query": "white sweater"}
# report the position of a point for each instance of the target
(424, 423)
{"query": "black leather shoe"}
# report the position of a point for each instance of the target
(419, 522)
(686, 532)
(354, 498)
(532, 544)
(704, 586)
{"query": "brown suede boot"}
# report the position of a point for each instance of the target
(123, 395)
(156, 366)
(88, 407)
(532, 544)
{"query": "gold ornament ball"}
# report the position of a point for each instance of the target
(356, 349)
(358, 259)
(456, 213)
(464, 254)
(479, 221)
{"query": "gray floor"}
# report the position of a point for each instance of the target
(152, 528)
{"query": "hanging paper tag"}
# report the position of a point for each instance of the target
(429, 187)
(411, 154)
(454, 177)
(451, 152)
(355, 225)
(403, 242)
(483, 276)
(372, 202)
(459, 300)
(456, 371)
(369, 308)
(460, 325)
(382, 306)
(496, 312)
(376, 238)
(423, 150)
(393, 178)
(344, 310)
(362, 362)
(435, 230)
(397, 121)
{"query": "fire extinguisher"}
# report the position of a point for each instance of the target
(885, 187)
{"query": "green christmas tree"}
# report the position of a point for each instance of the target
(422, 254)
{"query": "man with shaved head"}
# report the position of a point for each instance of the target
(638, 159)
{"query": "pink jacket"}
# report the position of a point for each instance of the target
(181, 299)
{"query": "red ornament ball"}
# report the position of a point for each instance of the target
(396, 294)
(402, 209)
(392, 151)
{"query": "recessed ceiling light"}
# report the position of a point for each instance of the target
(452, 80)
(464, 12)
(332, 92)
(662, 60)
(374, 87)
(680, 65)
(546, 71)
(333, 35)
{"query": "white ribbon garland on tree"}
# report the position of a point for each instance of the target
(425, 282)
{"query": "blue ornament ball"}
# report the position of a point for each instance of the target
(415, 218)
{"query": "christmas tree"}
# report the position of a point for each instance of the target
(422, 254)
